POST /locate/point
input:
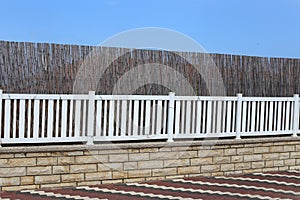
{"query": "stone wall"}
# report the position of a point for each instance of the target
(75, 165)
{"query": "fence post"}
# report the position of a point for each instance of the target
(1, 120)
(239, 115)
(91, 114)
(171, 116)
(296, 115)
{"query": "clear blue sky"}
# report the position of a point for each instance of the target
(248, 27)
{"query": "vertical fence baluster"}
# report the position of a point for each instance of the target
(123, 118)
(22, 119)
(14, 118)
(7, 119)
(91, 114)
(36, 116)
(296, 115)
(50, 119)
(135, 128)
(229, 121)
(239, 115)
(159, 118)
(171, 116)
(198, 118)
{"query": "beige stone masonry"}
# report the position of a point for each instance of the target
(77, 165)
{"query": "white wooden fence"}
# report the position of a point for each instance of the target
(40, 118)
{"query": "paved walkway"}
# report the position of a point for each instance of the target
(271, 185)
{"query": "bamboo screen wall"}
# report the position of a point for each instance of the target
(52, 68)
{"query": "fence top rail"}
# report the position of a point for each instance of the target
(268, 99)
(132, 97)
(205, 98)
(45, 96)
(140, 97)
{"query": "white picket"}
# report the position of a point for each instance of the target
(7, 119)
(188, 118)
(29, 119)
(43, 117)
(198, 117)
(57, 118)
(64, 119)
(159, 114)
(36, 117)
(271, 110)
(14, 118)
(71, 111)
(22, 119)
(99, 118)
(123, 118)
(147, 118)
(287, 116)
(219, 116)
(262, 116)
(209, 117)
(229, 121)
(77, 117)
(50, 119)
(111, 118)
(253, 116)
(135, 128)
(279, 116)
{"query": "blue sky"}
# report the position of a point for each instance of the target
(248, 27)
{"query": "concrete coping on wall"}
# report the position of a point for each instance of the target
(132, 145)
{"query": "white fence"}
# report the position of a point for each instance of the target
(40, 118)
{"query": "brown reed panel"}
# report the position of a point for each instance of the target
(52, 68)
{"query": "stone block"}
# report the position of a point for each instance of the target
(138, 156)
(245, 151)
(98, 176)
(251, 158)
(10, 181)
(164, 172)
(221, 160)
(230, 152)
(276, 149)
(83, 168)
(189, 170)
(27, 180)
(271, 156)
(118, 158)
(119, 174)
(261, 150)
(58, 185)
(110, 166)
(39, 170)
(139, 173)
(202, 161)
(150, 164)
(257, 164)
(47, 179)
(176, 163)
(227, 167)
(164, 155)
(12, 172)
(93, 159)
(21, 162)
(66, 160)
(289, 148)
(72, 177)
(130, 165)
(278, 163)
(241, 166)
(61, 169)
(295, 154)
(47, 161)
(210, 168)
(20, 187)
(235, 159)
